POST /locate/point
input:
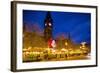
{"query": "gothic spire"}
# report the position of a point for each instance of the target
(48, 17)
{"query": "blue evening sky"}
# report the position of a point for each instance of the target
(77, 24)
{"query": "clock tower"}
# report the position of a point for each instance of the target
(48, 27)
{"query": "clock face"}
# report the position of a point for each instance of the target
(50, 24)
(45, 24)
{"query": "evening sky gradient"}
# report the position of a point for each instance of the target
(78, 25)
